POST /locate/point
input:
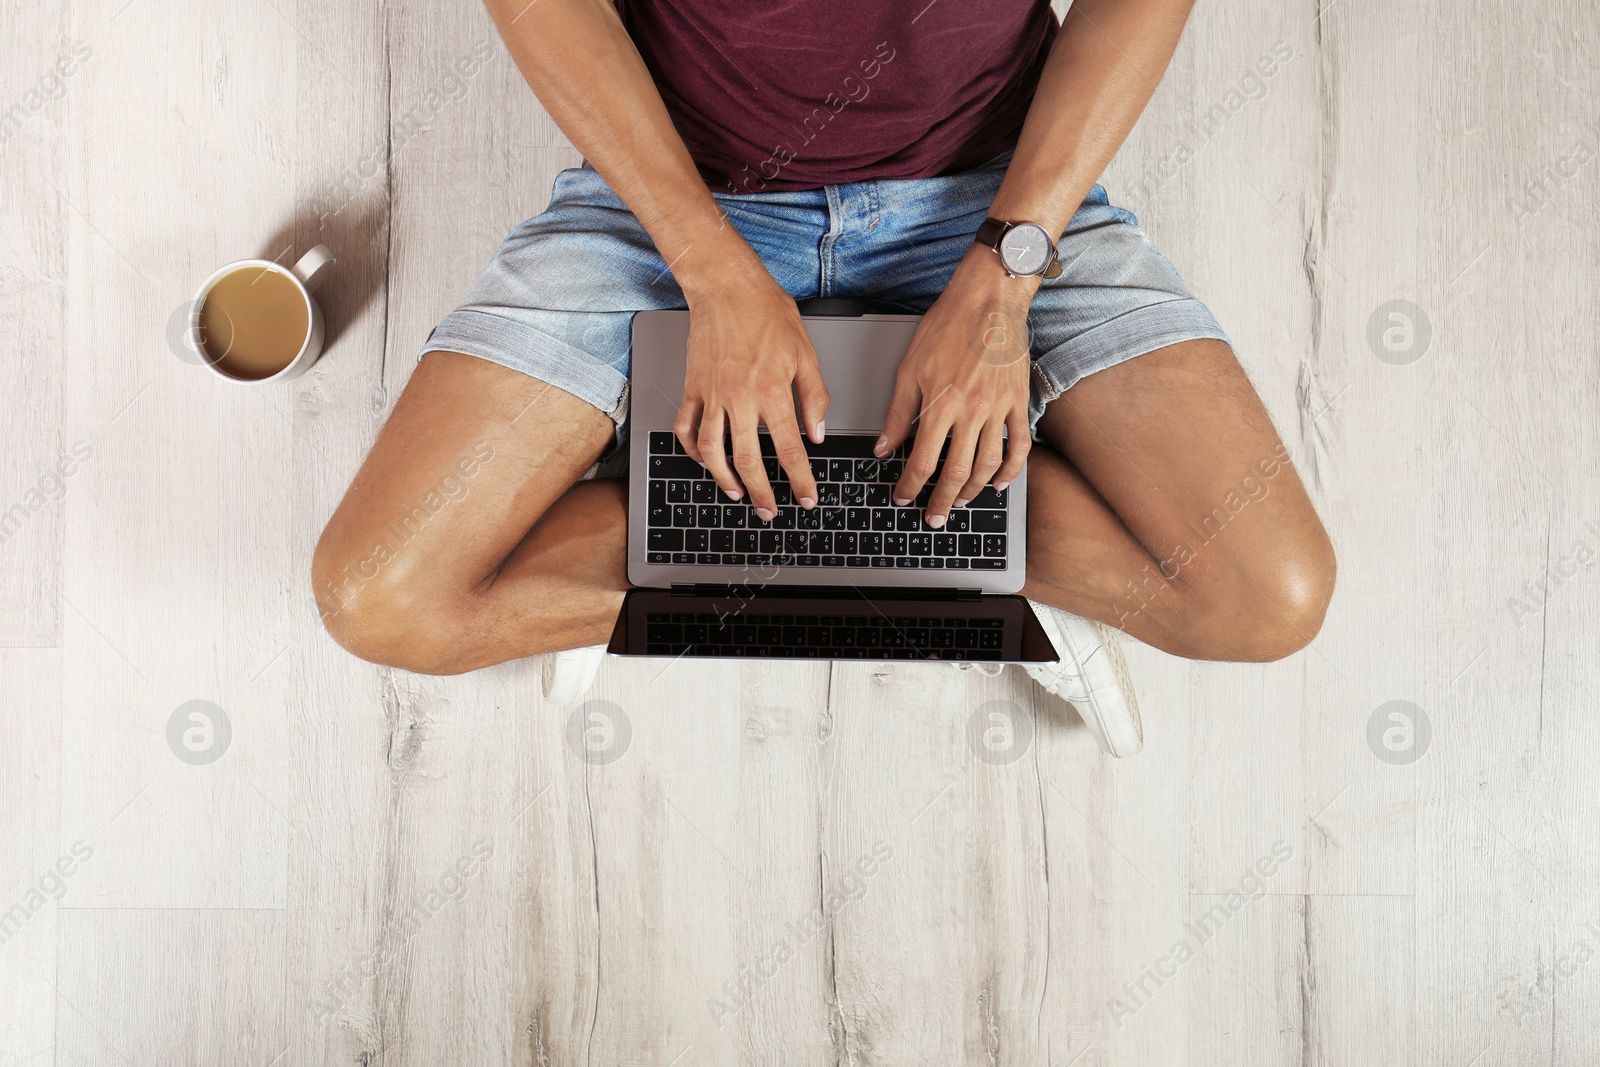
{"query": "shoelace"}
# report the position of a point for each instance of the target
(988, 670)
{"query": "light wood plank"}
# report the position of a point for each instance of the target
(1326, 979)
(1504, 861)
(36, 91)
(36, 870)
(941, 957)
(189, 988)
(356, 730)
(175, 550)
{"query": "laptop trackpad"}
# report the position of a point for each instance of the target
(859, 358)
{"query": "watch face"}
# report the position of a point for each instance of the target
(1025, 249)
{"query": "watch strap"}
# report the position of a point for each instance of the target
(990, 232)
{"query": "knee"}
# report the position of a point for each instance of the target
(1291, 603)
(378, 612)
(1271, 609)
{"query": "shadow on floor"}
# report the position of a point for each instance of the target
(358, 235)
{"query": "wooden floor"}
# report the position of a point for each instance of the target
(794, 864)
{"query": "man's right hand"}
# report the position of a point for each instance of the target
(749, 354)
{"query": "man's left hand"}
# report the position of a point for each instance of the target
(966, 375)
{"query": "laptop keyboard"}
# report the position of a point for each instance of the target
(823, 636)
(855, 523)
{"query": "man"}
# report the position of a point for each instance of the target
(743, 155)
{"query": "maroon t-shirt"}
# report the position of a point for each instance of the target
(804, 93)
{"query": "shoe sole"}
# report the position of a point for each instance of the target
(1119, 667)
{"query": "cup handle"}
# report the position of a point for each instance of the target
(313, 267)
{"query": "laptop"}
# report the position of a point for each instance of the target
(854, 577)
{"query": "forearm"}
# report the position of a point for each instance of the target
(1105, 64)
(581, 64)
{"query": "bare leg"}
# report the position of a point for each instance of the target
(1167, 506)
(463, 540)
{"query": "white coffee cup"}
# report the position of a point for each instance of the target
(308, 273)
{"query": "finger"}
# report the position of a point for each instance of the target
(1019, 439)
(924, 458)
(953, 476)
(747, 461)
(714, 459)
(991, 453)
(687, 425)
(791, 452)
(902, 414)
(813, 395)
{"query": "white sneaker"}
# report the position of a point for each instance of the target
(1092, 675)
(569, 674)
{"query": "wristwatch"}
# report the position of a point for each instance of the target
(1024, 248)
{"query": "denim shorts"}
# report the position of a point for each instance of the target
(557, 299)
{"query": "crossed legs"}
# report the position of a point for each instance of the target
(1162, 503)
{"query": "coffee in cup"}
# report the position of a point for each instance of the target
(255, 320)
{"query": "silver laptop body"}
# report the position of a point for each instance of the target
(858, 356)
